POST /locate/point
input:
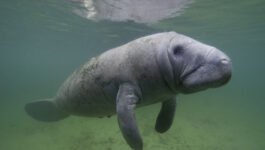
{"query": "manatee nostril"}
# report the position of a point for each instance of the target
(225, 61)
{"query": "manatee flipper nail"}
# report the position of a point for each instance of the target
(166, 115)
(126, 102)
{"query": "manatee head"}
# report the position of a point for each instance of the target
(189, 66)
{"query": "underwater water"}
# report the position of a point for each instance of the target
(42, 42)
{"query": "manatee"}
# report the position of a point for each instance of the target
(148, 70)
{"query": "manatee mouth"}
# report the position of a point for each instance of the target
(185, 75)
(186, 89)
(204, 76)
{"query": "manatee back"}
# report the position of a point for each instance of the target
(83, 92)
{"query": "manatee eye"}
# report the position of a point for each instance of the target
(177, 50)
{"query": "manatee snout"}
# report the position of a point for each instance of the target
(212, 69)
(225, 65)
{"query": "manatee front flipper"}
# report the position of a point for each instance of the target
(127, 98)
(166, 115)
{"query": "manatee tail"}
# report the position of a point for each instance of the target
(45, 110)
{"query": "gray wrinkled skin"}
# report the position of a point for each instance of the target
(149, 63)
